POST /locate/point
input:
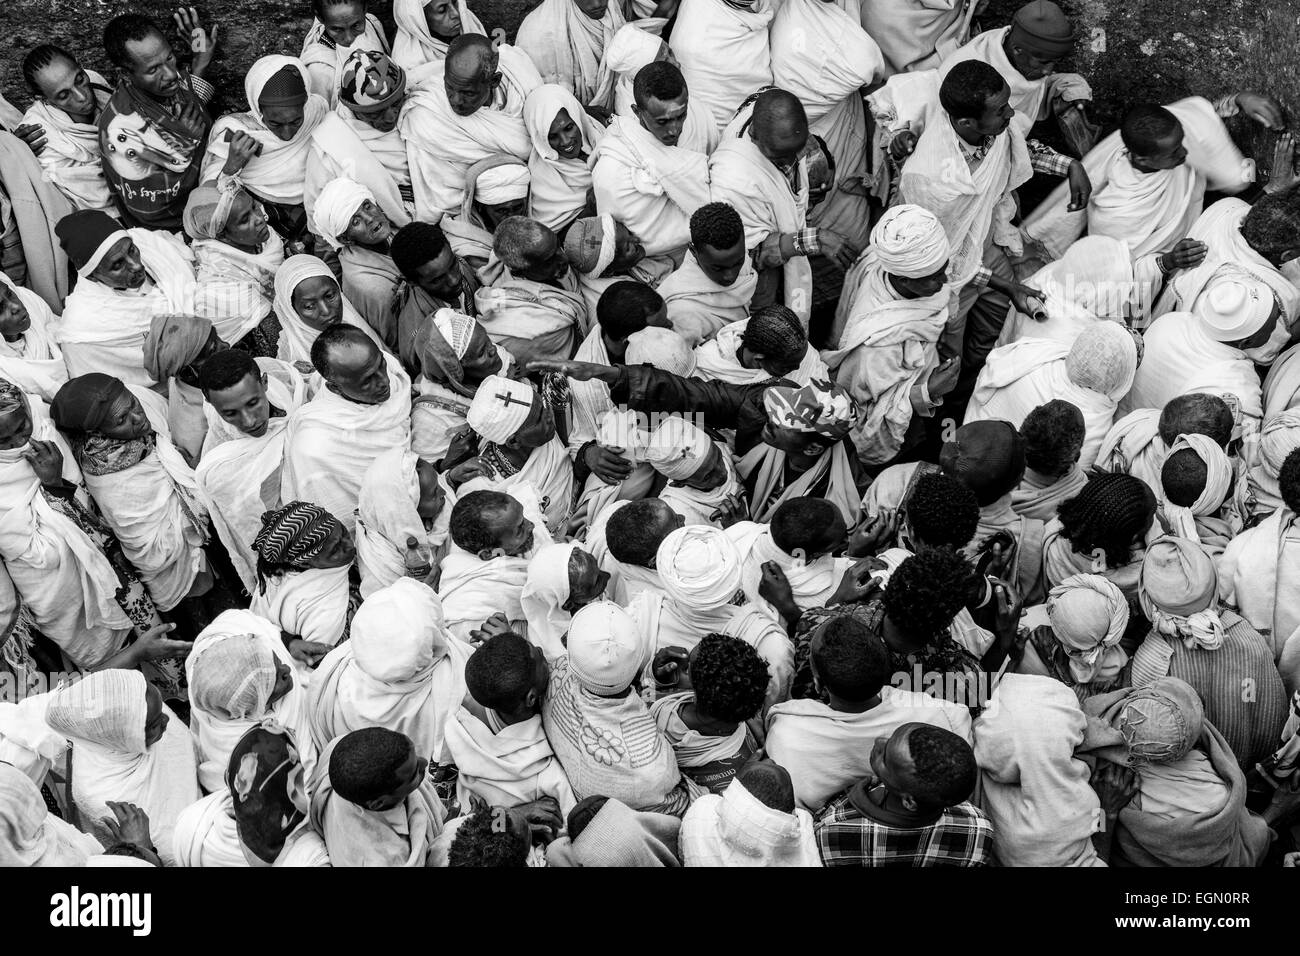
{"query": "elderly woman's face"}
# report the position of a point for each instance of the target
(247, 225)
(318, 302)
(15, 428)
(442, 17)
(126, 419)
(14, 320)
(344, 22)
(338, 551)
(564, 136)
(368, 226)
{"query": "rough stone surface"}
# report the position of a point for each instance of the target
(1140, 50)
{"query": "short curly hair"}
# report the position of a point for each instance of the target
(850, 659)
(415, 244)
(927, 590)
(1197, 413)
(1053, 434)
(1288, 481)
(482, 841)
(944, 766)
(468, 524)
(1183, 477)
(716, 225)
(1110, 512)
(942, 511)
(729, 678)
(124, 29)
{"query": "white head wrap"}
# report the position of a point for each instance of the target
(398, 634)
(1218, 478)
(699, 567)
(1088, 614)
(337, 203)
(456, 328)
(631, 48)
(678, 449)
(545, 591)
(606, 649)
(662, 348)
(1234, 305)
(910, 242)
(622, 429)
(500, 408)
(1104, 358)
(500, 184)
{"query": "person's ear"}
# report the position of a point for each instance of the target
(495, 81)
(530, 699)
(487, 554)
(376, 805)
(908, 801)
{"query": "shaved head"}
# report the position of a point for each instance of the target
(471, 54)
(779, 126)
(470, 74)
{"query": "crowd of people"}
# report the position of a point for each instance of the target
(696, 433)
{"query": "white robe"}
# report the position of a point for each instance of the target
(414, 45)
(723, 52)
(508, 766)
(549, 472)
(698, 307)
(567, 45)
(716, 360)
(71, 158)
(34, 361)
(331, 441)
(917, 36)
(812, 582)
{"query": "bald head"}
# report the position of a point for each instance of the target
(351, 364)
(470, 75)
(779, 126)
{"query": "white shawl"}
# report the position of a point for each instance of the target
(34, 362)
(566, 44)
(414, 45)
(917, 36)
(296, 336)
(311, 605)
(155, 509)
(235, 289)
(103, 329)
(716, 360)
(277, 173)
(472, 590)
(813, 582)
(549, 472)
(387, 516)
(698, 307)
(71, 158)
(557, 192)
(343, 146)
(513, 765)
(723, 52)
(735, 828)
(546, 588)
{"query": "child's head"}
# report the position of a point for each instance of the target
(490, 836)
(729, 678)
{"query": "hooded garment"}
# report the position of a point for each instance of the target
(558, 193)
(414, 45)
(737, 829)
(620, 836)
(32, 836)
(387, 516)
(505, 764)
(567, 45)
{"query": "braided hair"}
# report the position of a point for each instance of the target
(1111, 512)
(38, 59)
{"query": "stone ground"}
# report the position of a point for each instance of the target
(1141, 49)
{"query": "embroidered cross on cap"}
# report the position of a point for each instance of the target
(500, 408)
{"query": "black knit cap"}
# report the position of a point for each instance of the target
(285, 88)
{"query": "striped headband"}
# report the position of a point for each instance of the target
(294, 533)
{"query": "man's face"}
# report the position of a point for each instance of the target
(1170, 153)
(593, 8)
(152, 66)
(433, 497)
(628, 250)
(712, 472)
(998, 114)
(338, 551)
(244, 405)
(344, 22)
(663, 119)
(587, 581)
(409, 776)
(922, 286)
(247, 225)
(443, 19)
(496, 213)
(722, 265)
(14, 320)
(775, 366)
(538, 428)
(126, 419)
(121, 268)
(284, 121)
(783, 142)
(469, 83)
(318, 302)
(155, 718)
(564, 136)
(550, 264)
(369, 226)
(65, 85)
(892, 764)
(385, 121)
(1030, 65)
(440, 276)
(15, 429)
(512, 531)
(788, 440)
(481, 358)
(359, 373)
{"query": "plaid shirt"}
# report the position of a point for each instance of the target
(962, 836)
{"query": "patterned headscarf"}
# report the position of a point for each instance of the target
(289, 536)
(823, 408)
(81, 404)
(11, 397)
(208, 208)
(370, 82)
(266, 780)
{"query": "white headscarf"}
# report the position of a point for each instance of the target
(501, 184)
(1103, 358)
(699, 567)
(414, 45)
(677, 448)
(1088, 614)
(662, 348)
(543, 597)
(910, 242)
(296, 336)
(737, 829)
(559, 186)
(29, 835)
(337, 203)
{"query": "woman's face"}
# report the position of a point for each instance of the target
(284, 121)
(433, 497)
(15, 428)
(64, 84)
(247, 224)
(344, 22)
(368, 226)
(126, 419)
(564, 136)
(337, 552)
(481, 358)
(443, 19)
(14, 320)
(318, 302)
(156, 719)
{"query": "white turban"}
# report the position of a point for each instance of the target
(398, 633)
(501, 184)
(1218, 478)
(500, 408)
(1234, 305)
(606, 649)
(1103, 358)
(456, 328)
(699, 567)
(910, 242)
(678, 449)
(337, 203)
(621, 428)
(1089, 614)
(631, 48)
(662, 348)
